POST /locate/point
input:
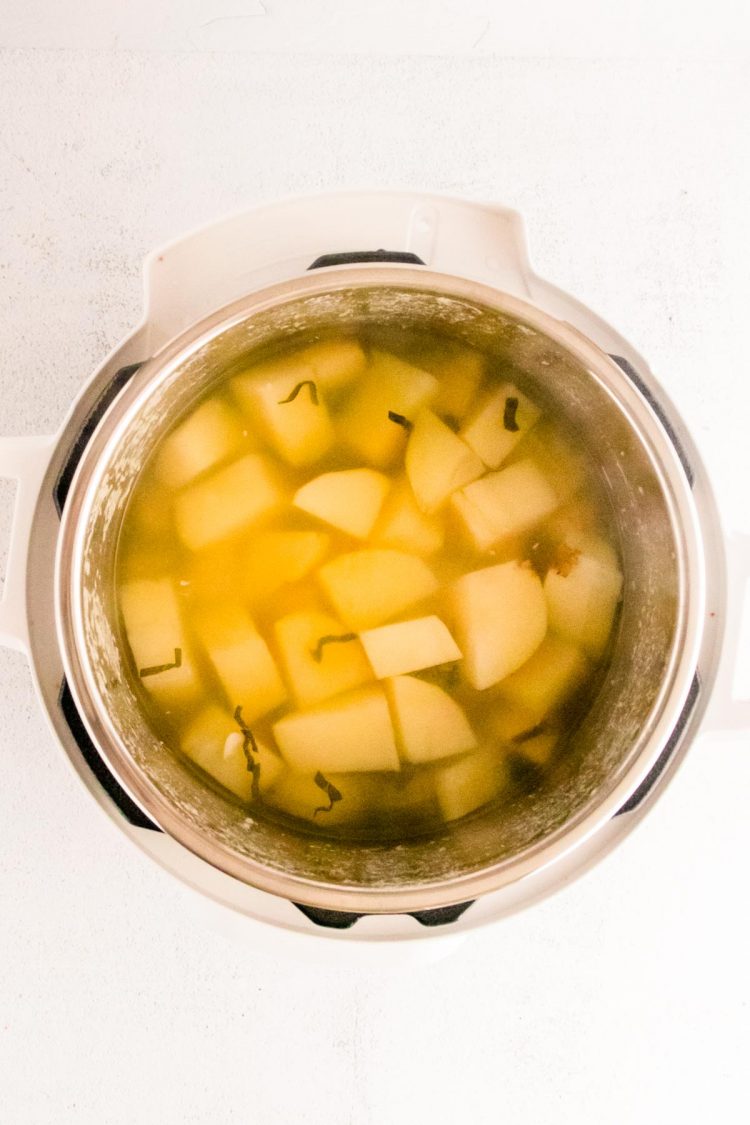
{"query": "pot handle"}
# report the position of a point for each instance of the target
(726, 713)
(25, 460)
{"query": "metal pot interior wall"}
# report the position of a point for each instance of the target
(617, 724)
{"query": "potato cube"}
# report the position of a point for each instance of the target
(547, 679)
(227, 502)
(582, 602)
(349, 500)
(469, 782)
(369, 586)
(500, 421)
(275, 558)
(316, 671)
(349, 733)
(409, 646)
(499, 616)
(388, 385)
(213, 741)
(539, 748)
(437, 462)
(282, 400)
(211, 433)
(504, 720)
(563, 464)
(460, 371)
(429, 723)
(404, 526)
(157, 639)
(501, 505)
(241, 659)
(334, 363)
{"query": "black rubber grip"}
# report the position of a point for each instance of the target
(354, 257)
(94, 417)
(343, 920)
(635, 378)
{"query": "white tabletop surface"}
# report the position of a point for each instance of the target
(624, 998)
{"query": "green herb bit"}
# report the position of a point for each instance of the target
(400, 420)
(249, 747)
(155, 669)
(331, 792)
(509, 415)
(331, 639)
(305, 383)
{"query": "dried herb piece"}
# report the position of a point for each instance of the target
(155, 669)
(249, 747)
(330, 639)
(400, 420)
(546, 554)
(330, 791)
(305, 383)
(509, 415)
(532, 732)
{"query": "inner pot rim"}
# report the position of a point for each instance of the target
(592, 814)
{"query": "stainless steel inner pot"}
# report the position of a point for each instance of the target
(636, 707)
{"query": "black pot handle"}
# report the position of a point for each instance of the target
(353, 257)
(344, 920)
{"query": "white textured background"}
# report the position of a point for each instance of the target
(625, 145)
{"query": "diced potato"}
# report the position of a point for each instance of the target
(151, 615)
(349, 500)
(409, 646)
(213, 741)
(349, 733)
(231, 500)
(241, 659)
(369, 586)
(582, 602)
(298, 794)
(486, 431)
(460, 371)
(275, 558)
(429, 723)
(469, 782)
(211, 433)
(404, 526)
(334, 363)
(149, 517)
(544, 682)
(505, 720)
(499, 616)
(501, 505)
(437, 462)
(342, 665)
(562, 463)
(388, 385)
(283, 401)
(538, 749)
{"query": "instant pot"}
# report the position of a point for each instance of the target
(462, 268)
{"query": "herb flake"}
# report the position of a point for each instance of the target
(331, 792)
(249, 747)
(155, 669)
(509, 414)
(400, 420)
(330, 639)
(305, 383)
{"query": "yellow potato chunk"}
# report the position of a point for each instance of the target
(469, 782)
(227, 502)
(298, 794)
(403, 525)
(409, 646)
(538, 749)
(388, 385)
(582, 602)
(241, 659)
(349, 733)
(369, 586)
(211, 433)
(438, 462)
(275, 558)
(283, 402)
(502, 505)
(334, 364)
(547, 679)
(213, 741)
(314, 671)
(499, 617)
(349, 500)
(487, 431)
(429, 723)
(562, 463)
(460, 371)
(156, 636)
